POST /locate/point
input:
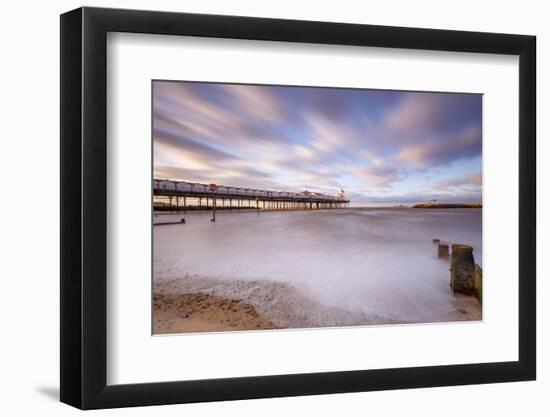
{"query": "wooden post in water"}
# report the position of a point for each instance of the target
(463, 269)
(442, 250)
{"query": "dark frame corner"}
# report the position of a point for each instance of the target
(83, 207)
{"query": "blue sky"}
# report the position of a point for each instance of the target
(381, 147)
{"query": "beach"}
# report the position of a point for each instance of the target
(192, 313)
(331, 268)
(266, 307)
(198, 304)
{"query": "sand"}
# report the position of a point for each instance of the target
(466, 308)
(277, 305)
(192, 313)
(193, 304)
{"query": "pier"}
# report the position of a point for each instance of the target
(174, 195)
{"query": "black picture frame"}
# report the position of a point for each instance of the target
(84, 207)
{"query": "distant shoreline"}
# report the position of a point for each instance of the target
(447, 205)
(167, 210)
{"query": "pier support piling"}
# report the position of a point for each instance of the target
(213, 219)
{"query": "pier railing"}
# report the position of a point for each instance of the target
(265, 199)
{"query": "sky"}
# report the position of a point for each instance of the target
(382, 147)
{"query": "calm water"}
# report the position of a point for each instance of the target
(378, 261)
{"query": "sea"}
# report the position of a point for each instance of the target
(376, 261)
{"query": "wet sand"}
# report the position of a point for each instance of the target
(202, 312)
(192, 304)
(192, 313)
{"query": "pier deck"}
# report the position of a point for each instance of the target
(181, 195)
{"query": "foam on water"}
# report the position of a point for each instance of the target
(378, 262)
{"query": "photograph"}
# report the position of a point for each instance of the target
(293, 207)
(246, 208)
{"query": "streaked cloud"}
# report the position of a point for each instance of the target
(470, 180)
(256, 101)
(378, 175)
(421, 113)
(440, 151)
(381, 146)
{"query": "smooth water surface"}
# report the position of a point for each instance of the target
(373, 260)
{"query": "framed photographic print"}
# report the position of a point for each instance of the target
(258, 207)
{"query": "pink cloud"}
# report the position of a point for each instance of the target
(473, 179)
(256, 101)
(441, 151)
(378, 175)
